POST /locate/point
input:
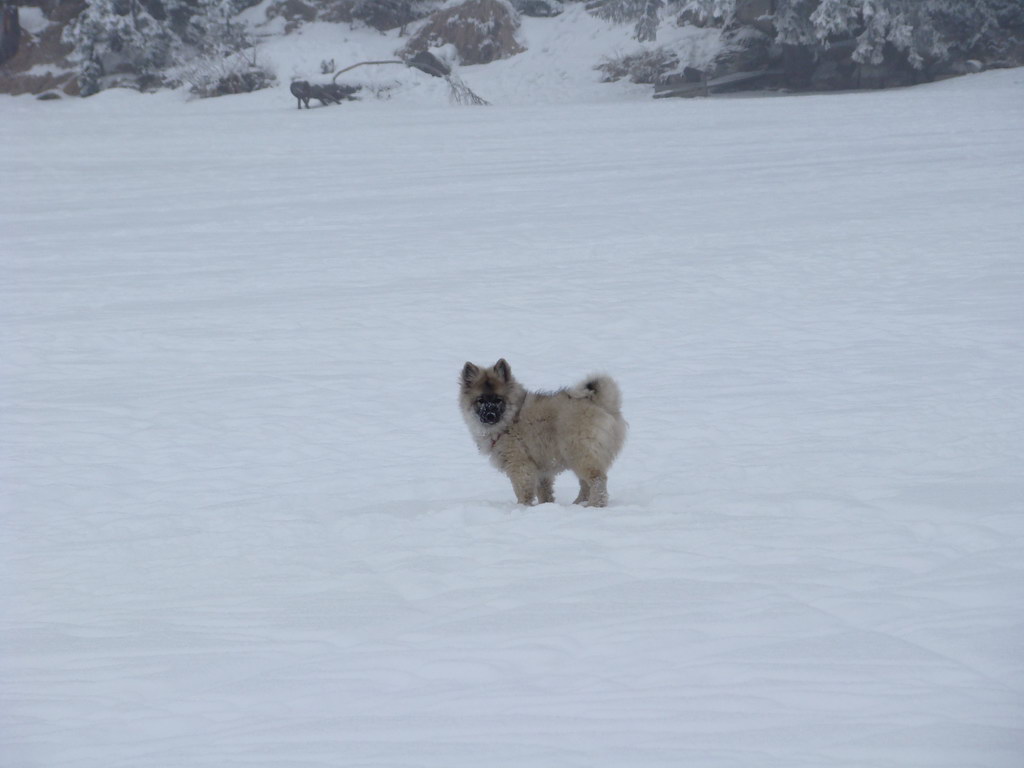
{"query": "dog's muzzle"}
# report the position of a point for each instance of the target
(489, 409)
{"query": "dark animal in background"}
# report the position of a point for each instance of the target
(331, 93)
(300, 90)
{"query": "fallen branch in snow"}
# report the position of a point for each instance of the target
(461, 93)
(426, 62)
(363, 64)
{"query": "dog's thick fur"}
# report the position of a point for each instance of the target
(533, 436)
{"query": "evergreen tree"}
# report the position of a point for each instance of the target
(141, 38)
(646, 14)
(117, 36)
(647, 25)
(715, 11)
(920, 30)
(618, 11)
(217, 30)
(792, 20)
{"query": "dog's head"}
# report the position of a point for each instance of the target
(490, 397)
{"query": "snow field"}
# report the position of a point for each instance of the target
(244, 523)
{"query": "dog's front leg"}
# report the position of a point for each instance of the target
(523, 475)
(525, 487)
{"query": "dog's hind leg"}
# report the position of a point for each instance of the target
(598, 492)
(593, 488)
(546, 490)
(584, 493)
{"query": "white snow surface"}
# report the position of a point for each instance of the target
(243, 523)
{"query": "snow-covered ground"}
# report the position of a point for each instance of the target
(243, 523)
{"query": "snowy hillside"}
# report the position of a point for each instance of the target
(244, 523)
(558, 63)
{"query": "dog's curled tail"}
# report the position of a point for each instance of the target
(602, 390)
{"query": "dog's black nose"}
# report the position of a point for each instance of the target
(489, 417)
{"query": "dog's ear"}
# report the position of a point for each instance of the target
(469, 373)
(503, 370)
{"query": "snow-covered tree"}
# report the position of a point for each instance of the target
(837, 17)
(646, 14)
(617, 11)
(142, 38)
(713, 11)
(792, 21)
(920, 30)
(647, 25)
(117, 36)
(217, 29)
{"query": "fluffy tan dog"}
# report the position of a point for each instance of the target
(532, 436)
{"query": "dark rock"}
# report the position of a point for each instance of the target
(692, 75)
(43, 51)
(481, 31)
(798, 65)
(543, 9)
(828, 77)
(385, 15)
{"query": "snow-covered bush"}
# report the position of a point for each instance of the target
(219, 75)
(640, 67)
